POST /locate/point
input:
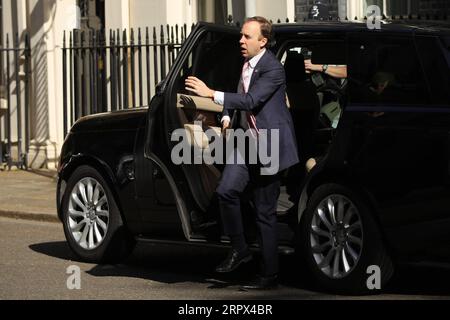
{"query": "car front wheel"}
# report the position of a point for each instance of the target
(341, 242)
(92, 222)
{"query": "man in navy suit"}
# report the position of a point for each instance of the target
(260, 104)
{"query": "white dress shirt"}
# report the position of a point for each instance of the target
(219, 97)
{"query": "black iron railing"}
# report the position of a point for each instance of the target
(13, 58)
(115, 70)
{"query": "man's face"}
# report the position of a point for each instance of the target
(252, 42)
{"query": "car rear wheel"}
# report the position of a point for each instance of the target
(92, 222)
(341, 242)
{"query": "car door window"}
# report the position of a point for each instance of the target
(216, 60)
(385, 70)
(435, 67)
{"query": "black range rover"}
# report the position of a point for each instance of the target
(378, 194)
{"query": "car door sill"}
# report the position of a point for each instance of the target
(224, 244)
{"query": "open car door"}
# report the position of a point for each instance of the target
(213, 55)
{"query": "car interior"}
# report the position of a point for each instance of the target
(314, 100)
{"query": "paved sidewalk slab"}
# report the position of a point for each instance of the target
(27, 195)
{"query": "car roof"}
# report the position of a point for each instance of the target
(404, 26)
(389, 27)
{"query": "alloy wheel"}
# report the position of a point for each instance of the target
(336, 236)
(88, 216)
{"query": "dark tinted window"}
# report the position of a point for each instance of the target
(436, 68)
(216, 60)
(385, 70)
(446, 43)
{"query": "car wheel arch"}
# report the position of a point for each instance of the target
(100, 166)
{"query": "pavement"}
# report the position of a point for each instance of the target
(28, 195)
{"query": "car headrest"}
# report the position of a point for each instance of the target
(295, 67)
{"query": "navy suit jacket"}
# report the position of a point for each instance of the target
(266, 99)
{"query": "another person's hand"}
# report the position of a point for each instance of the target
(225, 125)
(312, 67)
(198, 87)
(310, 164)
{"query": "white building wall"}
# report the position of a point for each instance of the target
(272, 10)
(145, 13)
(355, 8)
(181, 11)
(40, 85)
(122, 14)
(117, 13)
(60, 16)
(47, 21)
(44, 22)
(14, 22)
(290, 10)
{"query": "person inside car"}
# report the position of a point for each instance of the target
(334, 71)
(379, 87)
(374, 92)
(333, 78)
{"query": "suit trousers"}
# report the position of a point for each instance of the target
(265, 192)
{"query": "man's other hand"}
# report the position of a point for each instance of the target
(225, 125)
(225, 129)
(198, 87)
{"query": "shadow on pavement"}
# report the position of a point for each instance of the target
(178, 264)
(175, 264)
(58, 250)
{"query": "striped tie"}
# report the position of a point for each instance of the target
(245, 84)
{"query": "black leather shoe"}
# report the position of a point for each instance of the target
(233, 261)
(203, 225)
(262, 283)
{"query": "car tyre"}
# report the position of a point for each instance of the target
(92, 222)
(340, 243)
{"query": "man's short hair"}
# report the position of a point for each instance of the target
(266, 27)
